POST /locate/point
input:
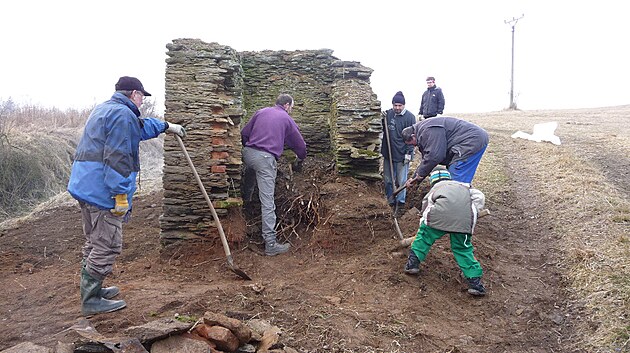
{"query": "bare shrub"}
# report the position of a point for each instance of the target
(6, 120)
(32, 169)
(37, 146)
(21, 180)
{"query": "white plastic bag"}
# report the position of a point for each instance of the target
(542, 132)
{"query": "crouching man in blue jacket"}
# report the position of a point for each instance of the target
(103, 180)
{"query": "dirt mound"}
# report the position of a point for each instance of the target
(340, 288)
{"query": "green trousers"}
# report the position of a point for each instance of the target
(461, 245)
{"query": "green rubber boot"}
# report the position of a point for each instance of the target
(107, 292)
(91, 301)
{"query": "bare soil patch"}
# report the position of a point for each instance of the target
(341, 287)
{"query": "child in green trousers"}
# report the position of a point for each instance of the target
(449, 207)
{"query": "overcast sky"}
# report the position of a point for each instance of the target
(568, 54)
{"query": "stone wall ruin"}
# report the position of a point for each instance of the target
(212, 90)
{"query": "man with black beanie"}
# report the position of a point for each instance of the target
(396, 154)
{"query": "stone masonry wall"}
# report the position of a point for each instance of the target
(355, 121)
(212, 90)
(306, 76)
(204, 88)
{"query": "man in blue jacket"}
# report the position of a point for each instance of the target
(263, 138)
(103, 180)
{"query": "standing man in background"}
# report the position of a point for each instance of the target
(103, 180)
(396, 154)
(263, 138)
(432, 100)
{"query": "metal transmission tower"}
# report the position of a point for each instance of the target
(512, 23)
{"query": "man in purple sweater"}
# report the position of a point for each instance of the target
(263, 138)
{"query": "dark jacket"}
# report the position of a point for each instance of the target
(445, 140)
(395, 125)
(432, 102)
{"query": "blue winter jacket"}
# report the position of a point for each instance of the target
(107, 159)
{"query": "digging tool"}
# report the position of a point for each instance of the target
(407, 241)
(403, 186)
(226, 247)
(400, 188)
(391, 170)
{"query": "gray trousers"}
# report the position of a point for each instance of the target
(103, 240)
(261, 169)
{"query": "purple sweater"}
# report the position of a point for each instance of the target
(270, 129)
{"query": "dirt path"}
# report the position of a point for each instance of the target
(345, 293)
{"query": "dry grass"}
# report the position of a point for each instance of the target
(596, 247)
(588, 214)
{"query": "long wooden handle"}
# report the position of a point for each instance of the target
(226, 247)
(400, 188)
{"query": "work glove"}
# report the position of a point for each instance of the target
(407, 158)
(176, 129)
(122, 205)
(297, 165)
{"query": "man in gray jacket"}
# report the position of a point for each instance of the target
(449, 207)
(454, 143)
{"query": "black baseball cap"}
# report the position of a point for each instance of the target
(127, 83)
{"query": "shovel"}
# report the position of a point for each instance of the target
(403, 186)
(398, 190)
(226, 247)
(391, 169)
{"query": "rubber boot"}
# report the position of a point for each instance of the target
(273, 248)
(412, 267)
(107, 292)
(91, 301)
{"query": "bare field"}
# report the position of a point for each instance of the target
(555, 253)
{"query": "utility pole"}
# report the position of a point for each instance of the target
(512, 23)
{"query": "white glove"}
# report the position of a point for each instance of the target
(176, 129)
(407, 158)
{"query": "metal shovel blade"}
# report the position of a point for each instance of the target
(237, 270)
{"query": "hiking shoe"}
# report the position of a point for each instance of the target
(412, 270)
(475, 288)
(276, 249)
(412, 267)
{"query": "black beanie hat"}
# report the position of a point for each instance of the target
(398, 98)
